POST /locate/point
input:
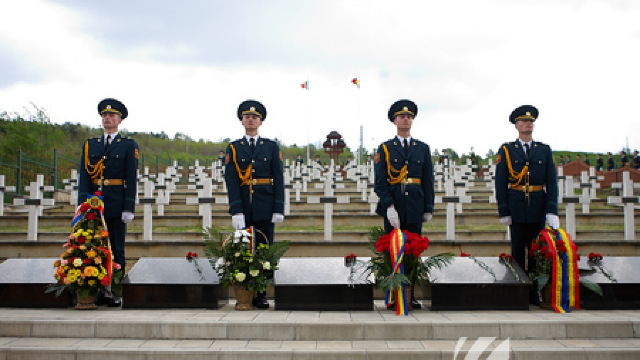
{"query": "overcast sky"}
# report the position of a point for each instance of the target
(184, 66)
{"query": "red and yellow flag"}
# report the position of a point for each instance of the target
(355, 81)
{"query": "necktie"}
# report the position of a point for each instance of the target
(526, 149)
(252, 144)
(107, 142)
(406, 147)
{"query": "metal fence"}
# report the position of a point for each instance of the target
(22, 169)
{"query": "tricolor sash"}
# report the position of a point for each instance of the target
(398, 240)
(565, 281)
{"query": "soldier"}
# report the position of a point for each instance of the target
(299, 160)
(523, 169)
(599, 162)
(255, 182)
(221, 156)
(623, 159)
(585, 159)
(109, 163)
(636, 160)
(561, 161)
(404, 177)
(610, 164)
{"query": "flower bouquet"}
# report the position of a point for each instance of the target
(86, 267)
(240, 261)
(556, 260)
(393, 273)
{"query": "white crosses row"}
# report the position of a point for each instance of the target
(35, 202)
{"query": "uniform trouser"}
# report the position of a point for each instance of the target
(117, 230)
(521, 236)
(415, 228)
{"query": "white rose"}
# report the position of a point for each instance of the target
(241, 276)
(254, 273)
(250, 260)
(237, 254)
(266, 265)
(221, 271)
(219, 263)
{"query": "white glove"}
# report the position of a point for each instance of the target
(553, 220)
(127, 216)
(277, 218)
(392, 216)
(237, 221)
(427, 216)
(505, 220)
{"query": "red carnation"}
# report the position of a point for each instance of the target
(91, 216)
(548, 255)
(104, 281)
(84, 207)
(535, 247)
(464, 254)
(81, 239)
(86, 261)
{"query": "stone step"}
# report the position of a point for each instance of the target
(379, 334)
(90, 349)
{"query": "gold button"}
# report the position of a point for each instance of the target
(106, 182)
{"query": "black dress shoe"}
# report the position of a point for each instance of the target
(415, 304)
(115, 301)
(101, 300)
(260, 301)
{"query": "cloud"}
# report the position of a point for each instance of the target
(467, 64)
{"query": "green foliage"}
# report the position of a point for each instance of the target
(234, 263)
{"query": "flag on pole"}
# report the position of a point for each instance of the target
(305, 85)
(356, 81)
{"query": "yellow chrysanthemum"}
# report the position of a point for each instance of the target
(97, 260)
(101, 276)
(91, 282)
(91, 254)
(84, 233)
(81, 282)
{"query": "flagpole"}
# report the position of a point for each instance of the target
(359, 122)
(308, 154)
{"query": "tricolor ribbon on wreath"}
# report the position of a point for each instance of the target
(565, 281)
(398, 240)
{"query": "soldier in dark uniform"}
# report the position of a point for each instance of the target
(623, 159)
(254, 178)
(221, 156)
(526, 187)
(636, 160)
(585, 159)
(610, 163)
(599, 163)
(110, 163)
(561, 161)
(299, 160)
(404, 176)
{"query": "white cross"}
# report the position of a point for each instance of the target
(328, 200)
(3, 190)
(570, 200)
(72, 186)
(450, 200)
(627, 200)
(148, 200)
(35, 203)
(204, 201)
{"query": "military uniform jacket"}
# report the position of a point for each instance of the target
(599, 164)
(610, 164)
(636, 162)
(267, 164)
(416, 199)
(542, 171)
(120, 162)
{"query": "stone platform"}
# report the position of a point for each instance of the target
(378, 334)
